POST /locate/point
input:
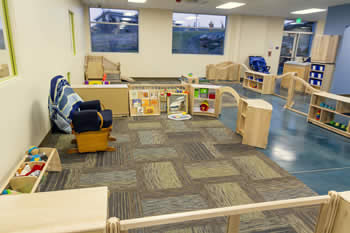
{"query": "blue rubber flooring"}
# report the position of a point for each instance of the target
(316, 156)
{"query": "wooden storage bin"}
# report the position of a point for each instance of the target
(29, 184)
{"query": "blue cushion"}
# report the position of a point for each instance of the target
(107, 118)
(85, 121)
(90, 105)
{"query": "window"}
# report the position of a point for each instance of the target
(114, 30)
(198, 34)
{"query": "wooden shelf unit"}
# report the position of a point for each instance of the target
(321, 76)
(302, 70)
(259, 82)
(210, 97)
(253, 123)
(342, 108)
(159, 95)
(29, 184)
(324, 48)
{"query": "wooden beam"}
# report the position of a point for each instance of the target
(220, 212)
(233, 224)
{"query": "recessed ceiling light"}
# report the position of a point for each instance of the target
(308, 11)
(231, 5)
(137, 1)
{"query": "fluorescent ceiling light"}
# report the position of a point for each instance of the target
(126, 19)
(137, 1)
(231, 5)
(308, 11)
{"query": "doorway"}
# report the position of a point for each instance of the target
(296, 42)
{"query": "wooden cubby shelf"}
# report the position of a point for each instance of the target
(321, 76)
(327, 108)
(29, 184)
(205, 96)
(259, 82)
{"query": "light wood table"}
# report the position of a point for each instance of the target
(114, 97)
(77, 210)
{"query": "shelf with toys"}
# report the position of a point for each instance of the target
(31, 170)
(321, 76)
(331, 112)
(151, 100)
(204, 100)
(259, 82)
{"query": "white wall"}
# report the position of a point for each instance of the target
(245, 35)
(42, 43)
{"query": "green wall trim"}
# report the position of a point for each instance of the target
(68, 77)
(9, 37)
(71, 17)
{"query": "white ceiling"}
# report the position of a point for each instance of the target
(281, 8)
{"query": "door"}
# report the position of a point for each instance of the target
(287, 49)
(295, 47)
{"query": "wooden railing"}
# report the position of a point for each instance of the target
(233, 213)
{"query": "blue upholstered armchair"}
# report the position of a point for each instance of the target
(92, 126)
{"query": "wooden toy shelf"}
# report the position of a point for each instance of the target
(321, 76)
(339, 107)
(151, 99)
(205, 100)
(29, 184)
(259, 82)
(253, 123)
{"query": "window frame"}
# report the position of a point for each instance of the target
(116, 23)
(9, 41)
(205, 54)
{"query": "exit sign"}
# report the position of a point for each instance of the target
(298, 20)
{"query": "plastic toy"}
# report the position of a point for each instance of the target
(180, 117)
(33, 150)
(190, 75)
(318, 115)
(196, 93)
(9, 191)
(204, 92)
(97, 82)
(204, 107)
